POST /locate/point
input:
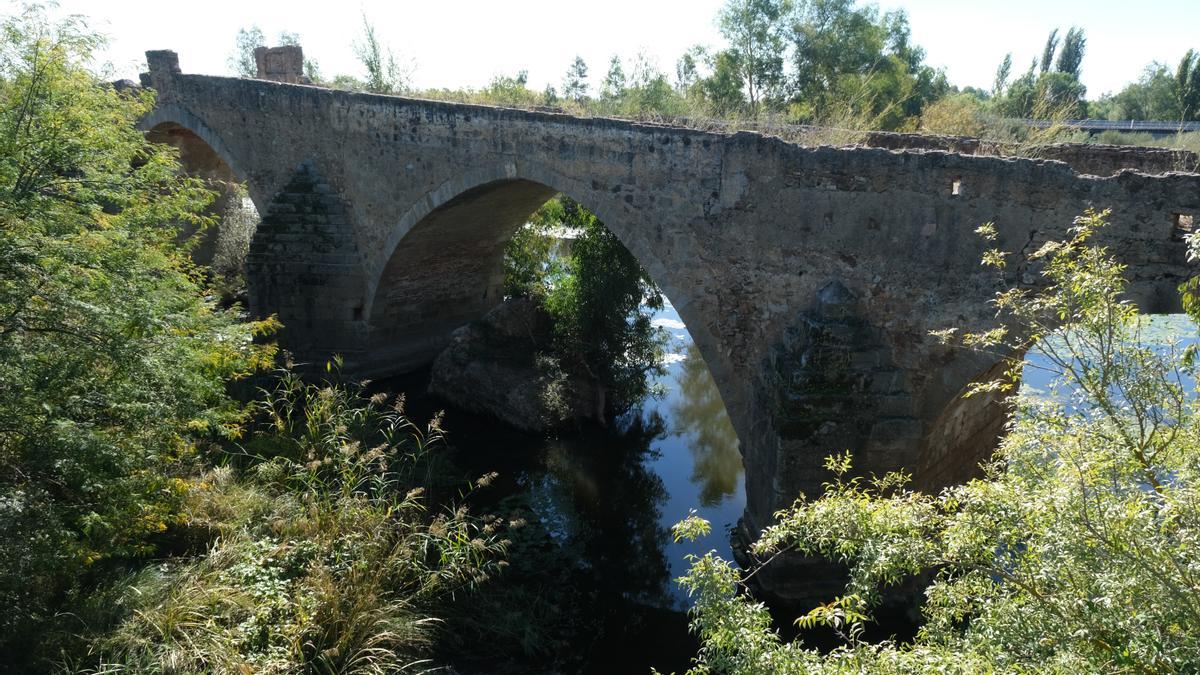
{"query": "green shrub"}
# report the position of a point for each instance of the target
(112, 364)
(325, 558)
(1077, 552)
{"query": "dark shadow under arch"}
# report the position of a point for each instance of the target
(199, 158)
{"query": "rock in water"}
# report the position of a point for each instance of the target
(502, 365)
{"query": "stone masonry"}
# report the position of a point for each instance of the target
(808, 277)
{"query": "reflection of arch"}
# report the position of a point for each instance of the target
(442, 264)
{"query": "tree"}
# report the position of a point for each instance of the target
(648, 92)
(830, 39)
(1187, 86)
(1003, 72)
(755, 33)
(1077, 550)
(1071, 55)
(723, 88)
(384, 76)
(855, 67)
(687, 69)
(594, 296)
(112, 363)
(614, 81)
(1048, 51)
(1152, 97)
(597, 312)
(242, 62)
(575, 86)
(1043, 92)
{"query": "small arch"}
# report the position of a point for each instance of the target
(170, 116)
(202, 155)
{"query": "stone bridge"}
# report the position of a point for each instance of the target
(808, 277)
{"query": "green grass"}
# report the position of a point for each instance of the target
(321, 552)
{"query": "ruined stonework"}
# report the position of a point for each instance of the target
(1086, 158)
(281, 64)
(809, 278)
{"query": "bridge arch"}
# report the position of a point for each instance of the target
(202, 154)
(191, 135)
(441, 266)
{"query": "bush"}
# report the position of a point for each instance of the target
(112, 365)
(326, 558)
(1077, 552)
(955, 115)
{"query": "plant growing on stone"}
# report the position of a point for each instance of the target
(384, 74)
(1078, 549)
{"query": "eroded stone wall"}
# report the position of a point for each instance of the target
(808, 277)
(1086, 158)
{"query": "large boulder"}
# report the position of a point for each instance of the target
(502, 365)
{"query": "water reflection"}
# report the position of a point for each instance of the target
(590, 586)
(699, 414)
(598, 499)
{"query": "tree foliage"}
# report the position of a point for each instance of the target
(1071, 55)
(241, 61)
(383, 73)
(1187, 86)
(112, 362)
(597, 309)
(754, 31)
(1152, 97)
(575, 85)
(1159, 94)
(1077, 552)
(595, 293)
(1049, 90)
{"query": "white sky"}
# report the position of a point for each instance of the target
(467, 42)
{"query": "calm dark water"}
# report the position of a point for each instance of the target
(591, 582)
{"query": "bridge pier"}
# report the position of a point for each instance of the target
(303, 267)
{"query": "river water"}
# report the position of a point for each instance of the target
(590, 585)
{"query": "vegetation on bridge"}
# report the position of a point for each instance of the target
(840, 65)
